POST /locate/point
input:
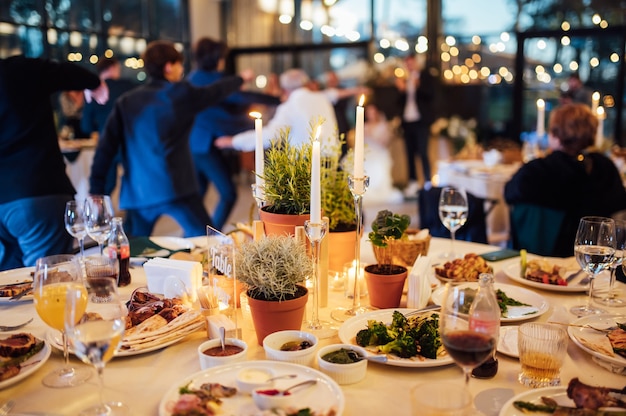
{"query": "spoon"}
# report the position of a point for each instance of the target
(283, 376)
(304, 383)
(222, 337)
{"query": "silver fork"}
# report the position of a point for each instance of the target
(4, 328)
(6, 408)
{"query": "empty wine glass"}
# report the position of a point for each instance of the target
(75, 223)
(611, 298)
(54, 277)
(94, 323)
(452, 212)
(594, 249)
(99, 217)
(468, 347)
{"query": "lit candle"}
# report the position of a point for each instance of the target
(259, 152)
(595, 102)
(600, 131)
(541, 117)
(350, 273)
(359, 140)
(316, 203)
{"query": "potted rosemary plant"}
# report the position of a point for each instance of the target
(385, 280)
(274, 269)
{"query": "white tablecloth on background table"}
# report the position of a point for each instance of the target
(140, 381)
(484, 182)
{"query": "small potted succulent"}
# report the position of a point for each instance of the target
(385, 280)
(274, 269)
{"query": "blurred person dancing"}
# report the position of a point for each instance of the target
(35, 186)
(150, 127)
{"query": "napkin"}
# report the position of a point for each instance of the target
(419, 284)
(166, 275)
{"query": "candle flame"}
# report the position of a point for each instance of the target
(255, 114)
(600, 111)
(595, 96)
(318, 132)
(361, 100)
(541, 103)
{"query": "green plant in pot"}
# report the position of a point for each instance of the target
(274, 269)
(385, 280)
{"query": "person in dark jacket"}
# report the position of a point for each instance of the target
(150, 127)
(35, 186)
(573, 179)
(417, 93)
(229, 117)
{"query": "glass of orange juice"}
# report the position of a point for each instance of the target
(54, 276)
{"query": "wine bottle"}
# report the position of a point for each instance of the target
(484, 316)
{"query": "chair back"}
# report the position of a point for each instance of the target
(475, 228)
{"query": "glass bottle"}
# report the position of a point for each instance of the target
(118, 245)
(484, 315)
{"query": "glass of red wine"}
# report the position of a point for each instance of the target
(468, 347)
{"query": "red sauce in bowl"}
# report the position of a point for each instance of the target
(228, 350)
(272, 392)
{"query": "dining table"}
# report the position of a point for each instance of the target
(141, 381)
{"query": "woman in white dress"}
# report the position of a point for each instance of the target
(377, 165)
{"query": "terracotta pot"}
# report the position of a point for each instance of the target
(279, 224)
(271, 316)
(385, 290)
(341, 249)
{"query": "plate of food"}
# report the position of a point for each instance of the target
(324, 398)
(577, 398)
(516, 303)
(466, 269)
(556, 275)
(16, 281)
(358, 330)
(601, 336)
(21, 354)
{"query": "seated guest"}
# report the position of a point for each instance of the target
(150, 127)
(571, 182)
(35, 185)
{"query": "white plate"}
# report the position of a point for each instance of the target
(349, 329)
(539, 305)
(507, 341)
(173, 243)
(559, 394)
(30, 366)
(587, 338)
(320, 398)
(514, 272)
(16, 276)
(54, 338)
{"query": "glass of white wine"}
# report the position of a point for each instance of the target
(99, 218)
(594, 249)
(95, 334)
(54, 277)
(452, 212)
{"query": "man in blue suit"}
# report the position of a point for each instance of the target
(227, 118)
(150, 127)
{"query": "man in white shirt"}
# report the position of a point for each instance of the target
(299, 112)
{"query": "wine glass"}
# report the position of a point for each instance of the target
(54, 277)
(468, 346)
(594, 249)
(95, 319)
(75, 223)
(452, 212)
(99, 217)
(611, 298)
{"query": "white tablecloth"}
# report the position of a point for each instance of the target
(484, 182)
(141, 381)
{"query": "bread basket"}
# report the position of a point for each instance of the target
(404, 252)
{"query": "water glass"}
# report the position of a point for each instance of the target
(542, 349)
(100, 269)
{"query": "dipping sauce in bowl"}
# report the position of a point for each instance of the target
(342, 356)
(218, 352)
(296, 345)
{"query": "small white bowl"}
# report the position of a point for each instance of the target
(268, 401)
(273, 342)
(253, 378)
(343, 373)
(208, 361)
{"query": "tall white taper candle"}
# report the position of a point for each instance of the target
(316, 197)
